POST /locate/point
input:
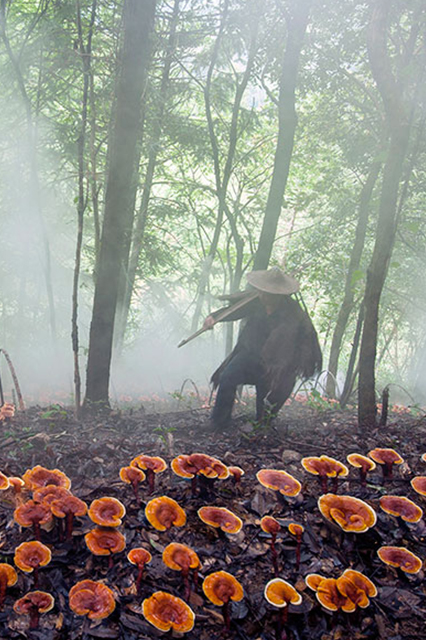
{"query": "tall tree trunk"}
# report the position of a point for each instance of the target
(398, 124)
(354, 262)
(287, 122)
(85, 53)
(138, 19)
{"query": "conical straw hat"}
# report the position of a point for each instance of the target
(273, 281)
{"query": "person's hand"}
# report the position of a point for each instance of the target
(209, 323)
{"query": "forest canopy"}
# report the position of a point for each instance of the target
(198, 129)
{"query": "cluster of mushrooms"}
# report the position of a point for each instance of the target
(43, 500)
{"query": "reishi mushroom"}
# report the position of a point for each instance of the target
(222, 518)
(357, 587)
(297, 530)
(92, 599)
(279, 480)
(386, 458)
(39, 476)
(363, 464)
(236, 473)
(419, 485)
(30, 556)
(325, 467)
(329, 596)
(139, 557)
(270, 525)
(401, 558)
(163, 513)
(280, 593)
(351, 514)
(165, 611)
(401, 507)
(220, 588)
(180, 557)
(33, 514)
(133, 476)
(68, 507)
(34, 603)
(105, 542)
(199, 464)
(107, 511)
(8, 577)
(152, 465)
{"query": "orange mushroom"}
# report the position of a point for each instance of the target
(92, 599)
(30, 556)
(351, 514)
(8, 577)
(222, 518)
(163, 513)
(357, 587)
(7, 411)
(401, 507)
(329, 596)
(363, 464)
(279, 480)
(325, 467)
(34, 603)
(313, 580)
(268, 524)
(50, 492)
(39, 476)
(280, 593)
(386, 458)
(419, 485)
(107, 511)
(423, 457)
(199, 464)
(236, 473)
(33, 514)
(297, 531)
(401, 558)
(16, 483)
(166, 612)
(152, 465)
(133, 476)
(220, 588)
(105, 542)
(180, 557)
(140, 557)
(68, 507)
(4, 482)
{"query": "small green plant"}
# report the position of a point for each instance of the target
(54, 411)
(320, 403)
(163, 432)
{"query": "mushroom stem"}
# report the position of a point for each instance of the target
(37, 534)
(195, 579)
(35, 577)
(335, 485)
(226, 615)
(110, 561)
(186, 585)
(274, 554)
(34, 617)
(70, 524)
(298, 545)
(139, 578)
(135, 486)
(194, 486)
(282, 622)
(324, 483)
(3, 586)
(151, 480)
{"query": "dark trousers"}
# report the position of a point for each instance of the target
(242, 369)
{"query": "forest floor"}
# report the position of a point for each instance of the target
(92, 451)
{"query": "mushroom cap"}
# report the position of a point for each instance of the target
(49, 493)
(39, 476)
(16, 482)
(280, 593)
(402, 507)
(8, 574)
(220, 517)
(4, 482)
(279, 480)
(268, 524)
(92, 599)
(324, 466)
(182, 467)
(423, 457)
(65, 505)
(357, 587)
(236, 472)
(166, 612)
(220, 587)
(419, 485)
(351, 514)
(385, 456)
(31, 512)
(107, 511)
(38, 600)
(187, 466)
(163, 512)
(131, 474)
(361, 462)
(296, 529)
(330, 597)
(313, 580)
(30, 555)
(105, 542)
(7, 410)
(400, 557)
(139, 556)
(154, 463)
(180, 557)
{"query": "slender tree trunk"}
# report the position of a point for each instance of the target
(138, 18)
(399, 128)
(354, 262)
(287, 122)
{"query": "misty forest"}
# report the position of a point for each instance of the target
(161, 160)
